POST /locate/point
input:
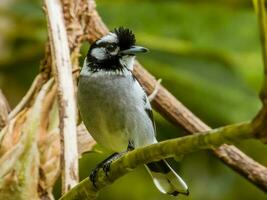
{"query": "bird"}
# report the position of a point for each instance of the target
(115, 108)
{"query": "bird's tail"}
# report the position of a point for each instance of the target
(166, 179)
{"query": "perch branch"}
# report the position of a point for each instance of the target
(166, 149)
(65, 88)
(174, 111)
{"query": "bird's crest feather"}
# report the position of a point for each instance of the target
(126, 37)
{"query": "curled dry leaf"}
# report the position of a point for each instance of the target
(19, 162)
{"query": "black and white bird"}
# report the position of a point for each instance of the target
(114, 107)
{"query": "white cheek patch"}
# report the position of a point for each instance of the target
(127, 61)
(99, 53)
(110, 38)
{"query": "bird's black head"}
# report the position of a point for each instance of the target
(114, 51)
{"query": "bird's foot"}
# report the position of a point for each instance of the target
(105, 166)
(93, 175)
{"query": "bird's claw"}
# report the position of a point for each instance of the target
(106, 167)
(93, 176)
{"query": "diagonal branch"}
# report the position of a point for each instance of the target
(65, 88)
(174, 111)
(169, 148)
(27, 98)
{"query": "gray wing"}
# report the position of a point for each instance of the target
(149, 111)
(147, 106)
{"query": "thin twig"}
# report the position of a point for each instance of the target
(67, 106)
(155, 91)
(26, 99)
(174, 111)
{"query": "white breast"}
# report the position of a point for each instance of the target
(112, 108)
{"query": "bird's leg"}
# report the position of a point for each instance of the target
(130, 146)
(105, 164)
(100, 165)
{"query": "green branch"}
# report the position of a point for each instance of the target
(166, 149)
(259, 122)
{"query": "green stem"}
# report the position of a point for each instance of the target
(259, 121)
(166, 149)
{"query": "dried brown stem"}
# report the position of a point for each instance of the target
(4, 110)
(65, 89)
(27, 98)
(174, 111)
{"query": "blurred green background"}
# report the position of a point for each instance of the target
(208, 55)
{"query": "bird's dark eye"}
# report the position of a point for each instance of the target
(111, 47)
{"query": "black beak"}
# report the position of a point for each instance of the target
(134, 50)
